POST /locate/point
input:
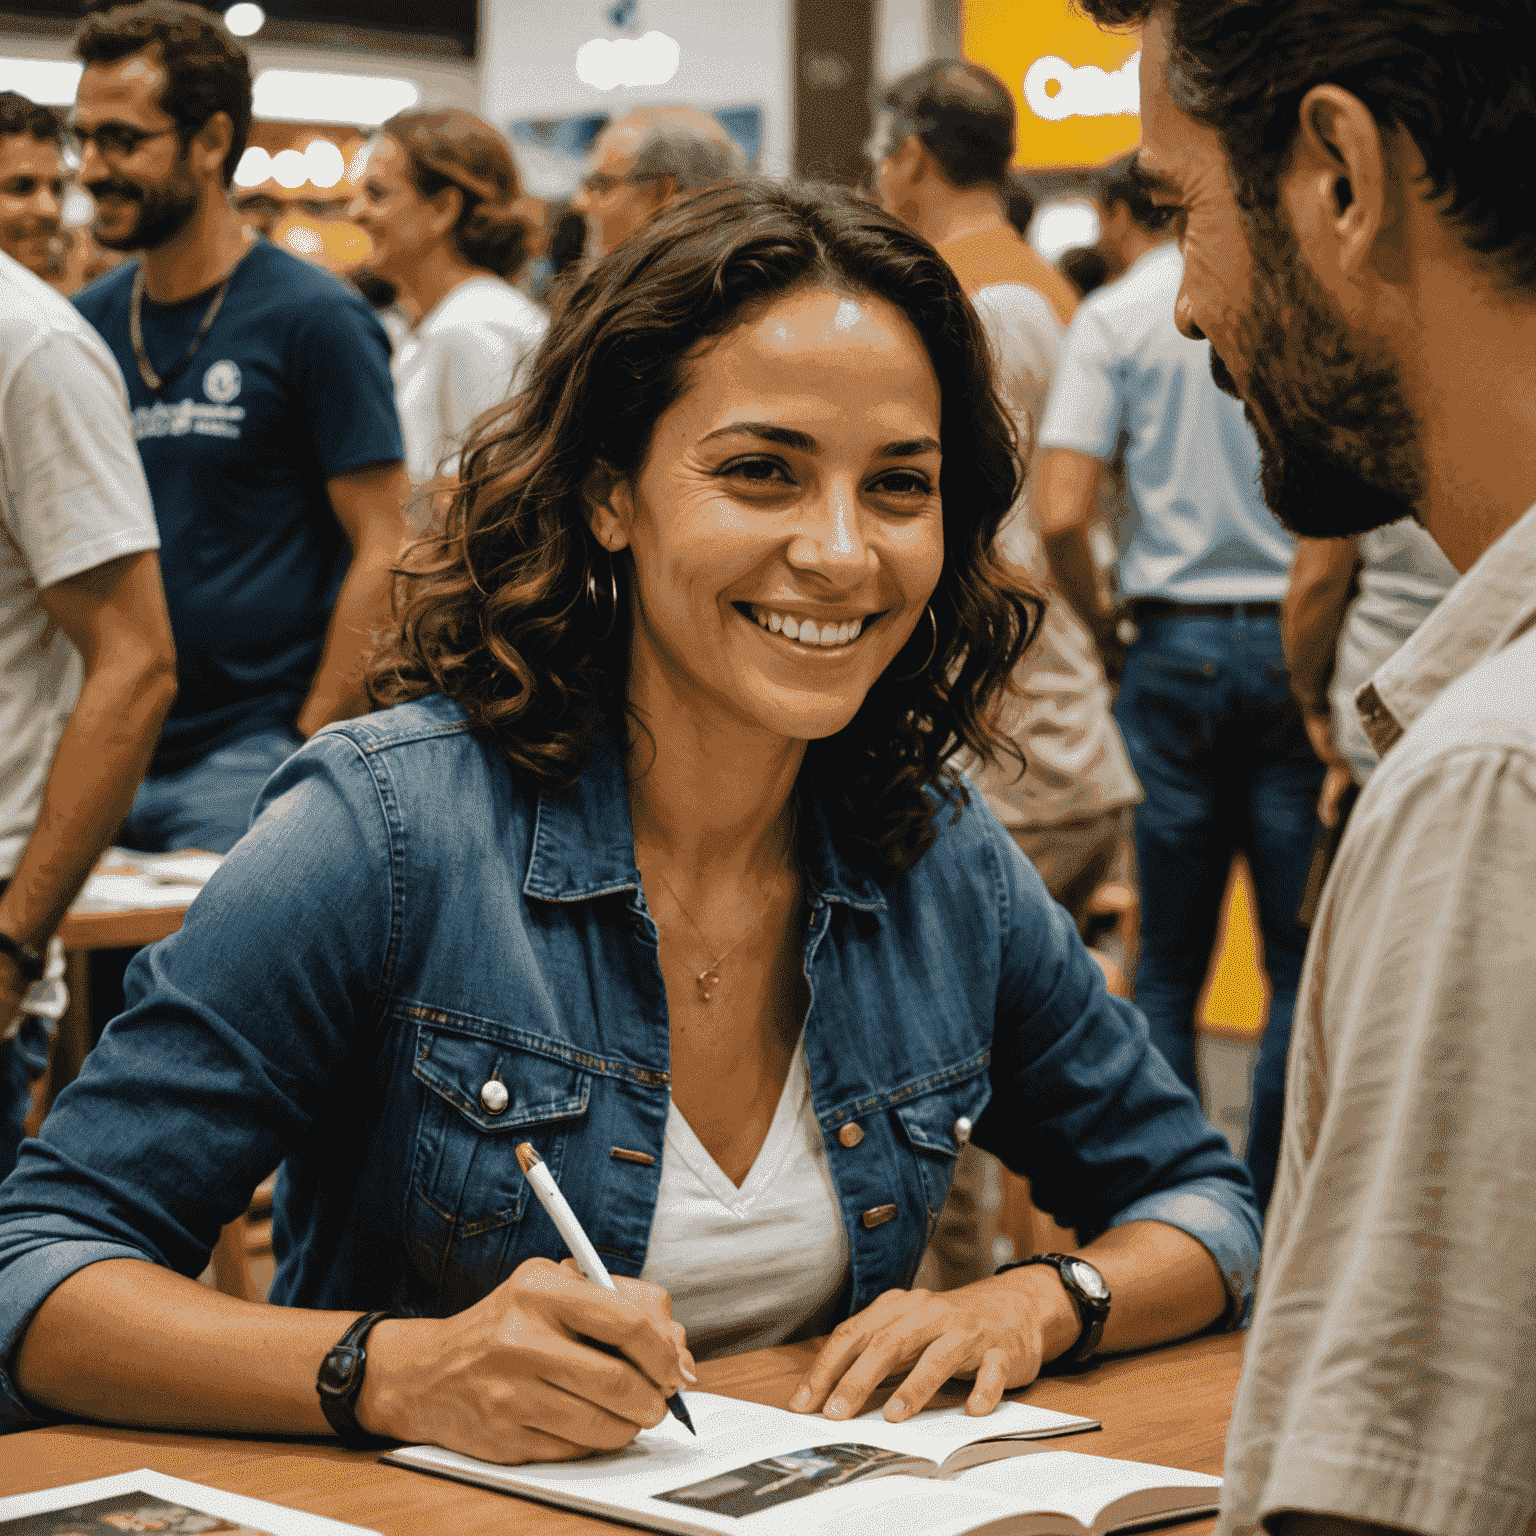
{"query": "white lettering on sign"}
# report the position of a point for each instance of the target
(1084, 92)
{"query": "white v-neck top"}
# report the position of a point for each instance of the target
(759, 1265)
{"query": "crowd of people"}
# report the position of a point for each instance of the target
(698, 724)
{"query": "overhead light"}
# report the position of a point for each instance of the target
(254, 168)
(609, 61)
(78, 210)
(245, 19)
(48, 82)
(315, 96)
(289, 169)
(323, 162)
(1085, 92)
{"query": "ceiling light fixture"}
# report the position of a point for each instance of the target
(316, 96)
(245, 19)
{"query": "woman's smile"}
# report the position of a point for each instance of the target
(807, 631)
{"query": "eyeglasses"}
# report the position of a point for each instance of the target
(114, 141)
(600, 182)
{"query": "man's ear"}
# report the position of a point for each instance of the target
(209, 146)
(610, 507)
(912, 159)
(1339, 190)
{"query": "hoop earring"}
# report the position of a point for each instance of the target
(613, 602)
(933, 650)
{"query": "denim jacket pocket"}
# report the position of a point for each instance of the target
(466, 1188)
(928, 1125)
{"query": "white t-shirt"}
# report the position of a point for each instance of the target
(465, 355)
(72, 496)
(760, 1265)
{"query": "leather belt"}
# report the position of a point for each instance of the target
(1143, 608)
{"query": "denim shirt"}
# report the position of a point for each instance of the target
(405, 921)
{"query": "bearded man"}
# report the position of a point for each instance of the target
(264, 415)
(1355, 186)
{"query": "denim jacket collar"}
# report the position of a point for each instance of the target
(584, 842)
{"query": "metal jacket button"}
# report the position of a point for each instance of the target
(963, 1130)
(494, 1096)
(851, 1134)
(878, 1215)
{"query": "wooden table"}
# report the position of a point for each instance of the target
(1169, 1405)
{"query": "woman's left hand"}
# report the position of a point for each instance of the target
(997, 1331)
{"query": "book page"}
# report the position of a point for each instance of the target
(1085, 1486)
(744, 1454)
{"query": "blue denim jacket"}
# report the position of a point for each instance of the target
(405, 921)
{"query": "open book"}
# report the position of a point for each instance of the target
(750, 1462)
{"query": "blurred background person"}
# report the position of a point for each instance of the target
(1205, 704)
(643, 163)
(1352, 603)
(87, 668)
(265, 417)
(33, 181)
(442, 204)
(940, 157)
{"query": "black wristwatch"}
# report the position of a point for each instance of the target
(23, 957)
(1089, 1291)
(341, 1379)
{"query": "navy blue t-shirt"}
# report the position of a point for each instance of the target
(290, 386)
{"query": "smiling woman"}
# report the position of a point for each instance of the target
(657, 864)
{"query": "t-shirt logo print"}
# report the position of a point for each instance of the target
(222, 382)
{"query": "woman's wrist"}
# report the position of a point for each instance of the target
(384, 1406)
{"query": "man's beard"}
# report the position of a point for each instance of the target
(1338, 441)
(164, 210)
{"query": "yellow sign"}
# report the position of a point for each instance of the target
(1073, 84)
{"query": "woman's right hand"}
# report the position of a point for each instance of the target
(516, 1377)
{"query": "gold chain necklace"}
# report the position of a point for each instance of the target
(710, 975)
(152, 380)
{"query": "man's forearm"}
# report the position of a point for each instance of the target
(1076, 574)
(1315, 605)
(362, 610)
(101, 758)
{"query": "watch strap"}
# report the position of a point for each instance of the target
(27, 960)
(341, 1379)
(1092, 1311)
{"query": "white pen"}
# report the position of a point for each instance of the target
(587, 1261)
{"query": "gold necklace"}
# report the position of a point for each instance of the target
(710, 975)
(153, 382)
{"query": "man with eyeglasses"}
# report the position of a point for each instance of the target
(264, 414)
(643, 163)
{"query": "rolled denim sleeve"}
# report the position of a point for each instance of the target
(1097, 1120)
(237, 1032)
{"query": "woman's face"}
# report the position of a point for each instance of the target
(786, 526)
(400, 223)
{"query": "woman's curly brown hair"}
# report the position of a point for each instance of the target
(497, 610)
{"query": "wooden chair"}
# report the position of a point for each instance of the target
(243, 1244)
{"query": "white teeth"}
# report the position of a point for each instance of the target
(807, 631)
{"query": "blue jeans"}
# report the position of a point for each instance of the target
(1206, 711)
(209, 804)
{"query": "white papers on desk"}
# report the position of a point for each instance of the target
(157, 1502)
(128, 882)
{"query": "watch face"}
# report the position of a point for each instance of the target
(1091, 1281)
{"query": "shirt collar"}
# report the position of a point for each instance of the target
(584, 842)
(1493, 604)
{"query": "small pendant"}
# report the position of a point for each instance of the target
(704, 981)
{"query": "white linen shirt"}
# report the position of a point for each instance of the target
(466, 354)
(72, 497)
(1388, 1369)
